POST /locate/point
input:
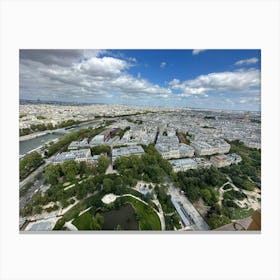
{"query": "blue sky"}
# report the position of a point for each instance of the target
(214, 79)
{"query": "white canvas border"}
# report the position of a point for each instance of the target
(135, 24)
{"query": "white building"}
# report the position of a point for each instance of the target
(174, 150)
(225, 160)
(77, 155)
(126, 151)
(210, 147)
(167, 139)
(203, 163)
(183, 164)
(203, 148)
(97, 140)
(78, 144)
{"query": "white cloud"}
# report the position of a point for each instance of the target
(88, 76)
(132, 59)
(105, 66)
(197, 51)
(245, 81)
(93, 77)
(162, 65)
(248, 61)
(174, 83)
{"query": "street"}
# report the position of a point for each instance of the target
(199, 223)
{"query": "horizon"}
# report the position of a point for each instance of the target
(76, 103)
(201, 79)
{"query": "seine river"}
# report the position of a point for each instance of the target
(28, 145)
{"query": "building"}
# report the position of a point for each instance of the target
(114, 131)
(97, 140)
(78, 144)
(167, 137)
(174, 150)
(202, 148)
(225, 160)
(203, 163)
(126, 151)
(210, 147)
(183, 164)
(77, 155)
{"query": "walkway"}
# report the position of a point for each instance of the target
(199, 223)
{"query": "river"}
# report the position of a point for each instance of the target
(31, 144)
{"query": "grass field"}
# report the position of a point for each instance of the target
(241, 213)
(148, 219)
(84, 222)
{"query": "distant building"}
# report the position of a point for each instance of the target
(252, 144)
(126, 151)
(183, 164)
(114, 131)
(77, 155)
(225, 160)
(202, 148)
(203, 163)
(97, 140)
(78, 144)
(167, 136)
(174, 150)
(210, 147)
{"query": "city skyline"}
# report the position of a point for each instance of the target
(212, 79)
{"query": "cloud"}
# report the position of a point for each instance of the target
(197, 51)
(132, 59)
(76, 74)
(162, 65)
(248, 61)
(174, 83)
(102, 76)
(101, 67)
(57, 57)
(242, 81)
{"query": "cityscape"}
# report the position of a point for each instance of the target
(118, 140)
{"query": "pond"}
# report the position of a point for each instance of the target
(124, 216)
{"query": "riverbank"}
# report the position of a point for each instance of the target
(34, 135)
(37, 143)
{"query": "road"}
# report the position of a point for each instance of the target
(35, 172)
(26, 198)
(199, 223)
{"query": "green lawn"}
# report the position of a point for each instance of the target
(74, 211)
(239, 213)
(148, 219)
(84, 222)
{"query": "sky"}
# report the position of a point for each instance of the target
(212, 79)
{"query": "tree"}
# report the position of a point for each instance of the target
(206, 195)
(248, 185)
(29, 163)
(99, 219)
(38, 209)
(103, 163)
(100, 150)
(52, 173)
(97, 222)
(107, 185)
(216, 221)
(70, 169)
(59, 224)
